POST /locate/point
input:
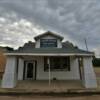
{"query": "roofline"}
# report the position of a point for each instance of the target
(36, 37)
(47, 54)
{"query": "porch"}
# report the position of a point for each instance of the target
(43, 85)
(18, 69)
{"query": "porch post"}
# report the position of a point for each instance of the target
(10, 74)
(49, 71)
(89, 78)
(20, 68)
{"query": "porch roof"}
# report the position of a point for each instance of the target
(50, 51)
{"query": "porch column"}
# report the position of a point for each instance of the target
(10, 75)
(89, 78)
(20, 68)
(49, 71)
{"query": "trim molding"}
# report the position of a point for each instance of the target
(47, 54)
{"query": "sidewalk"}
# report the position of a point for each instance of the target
(57, 88)
(69, 92)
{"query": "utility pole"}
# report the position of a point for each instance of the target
(86, 44)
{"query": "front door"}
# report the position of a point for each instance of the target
(30, 70)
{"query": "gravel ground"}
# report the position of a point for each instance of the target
(49, 98)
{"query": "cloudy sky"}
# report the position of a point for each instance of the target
(21, 20)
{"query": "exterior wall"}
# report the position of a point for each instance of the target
(10, 75)
(37, 45)
(67, 75)
(59, 44)
(20, 69)
(73, 74)
(89, 78)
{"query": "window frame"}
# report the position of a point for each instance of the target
(54, 69)
(44, 43)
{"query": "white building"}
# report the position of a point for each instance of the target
(49, 59)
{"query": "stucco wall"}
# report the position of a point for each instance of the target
(59, 44)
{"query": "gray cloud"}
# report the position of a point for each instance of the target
(74, 19)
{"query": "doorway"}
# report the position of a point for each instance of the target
(30, 70)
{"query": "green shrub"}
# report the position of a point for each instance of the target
(96, 62)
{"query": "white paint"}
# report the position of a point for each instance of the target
(60, 75)
(37, 44)
(49, 71)
(10, 76)
(59, 43)
(48, 54)
(20, 69)
(89, 80)
(75, 67)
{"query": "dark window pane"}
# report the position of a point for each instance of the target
(48, 43)
(57, 63)
(30, 70)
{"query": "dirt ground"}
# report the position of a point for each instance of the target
(49, 98)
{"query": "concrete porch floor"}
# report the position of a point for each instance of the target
(57, 85)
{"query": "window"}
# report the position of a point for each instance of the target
(48, 43)
(57, 63)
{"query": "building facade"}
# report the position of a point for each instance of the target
(48, 58)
